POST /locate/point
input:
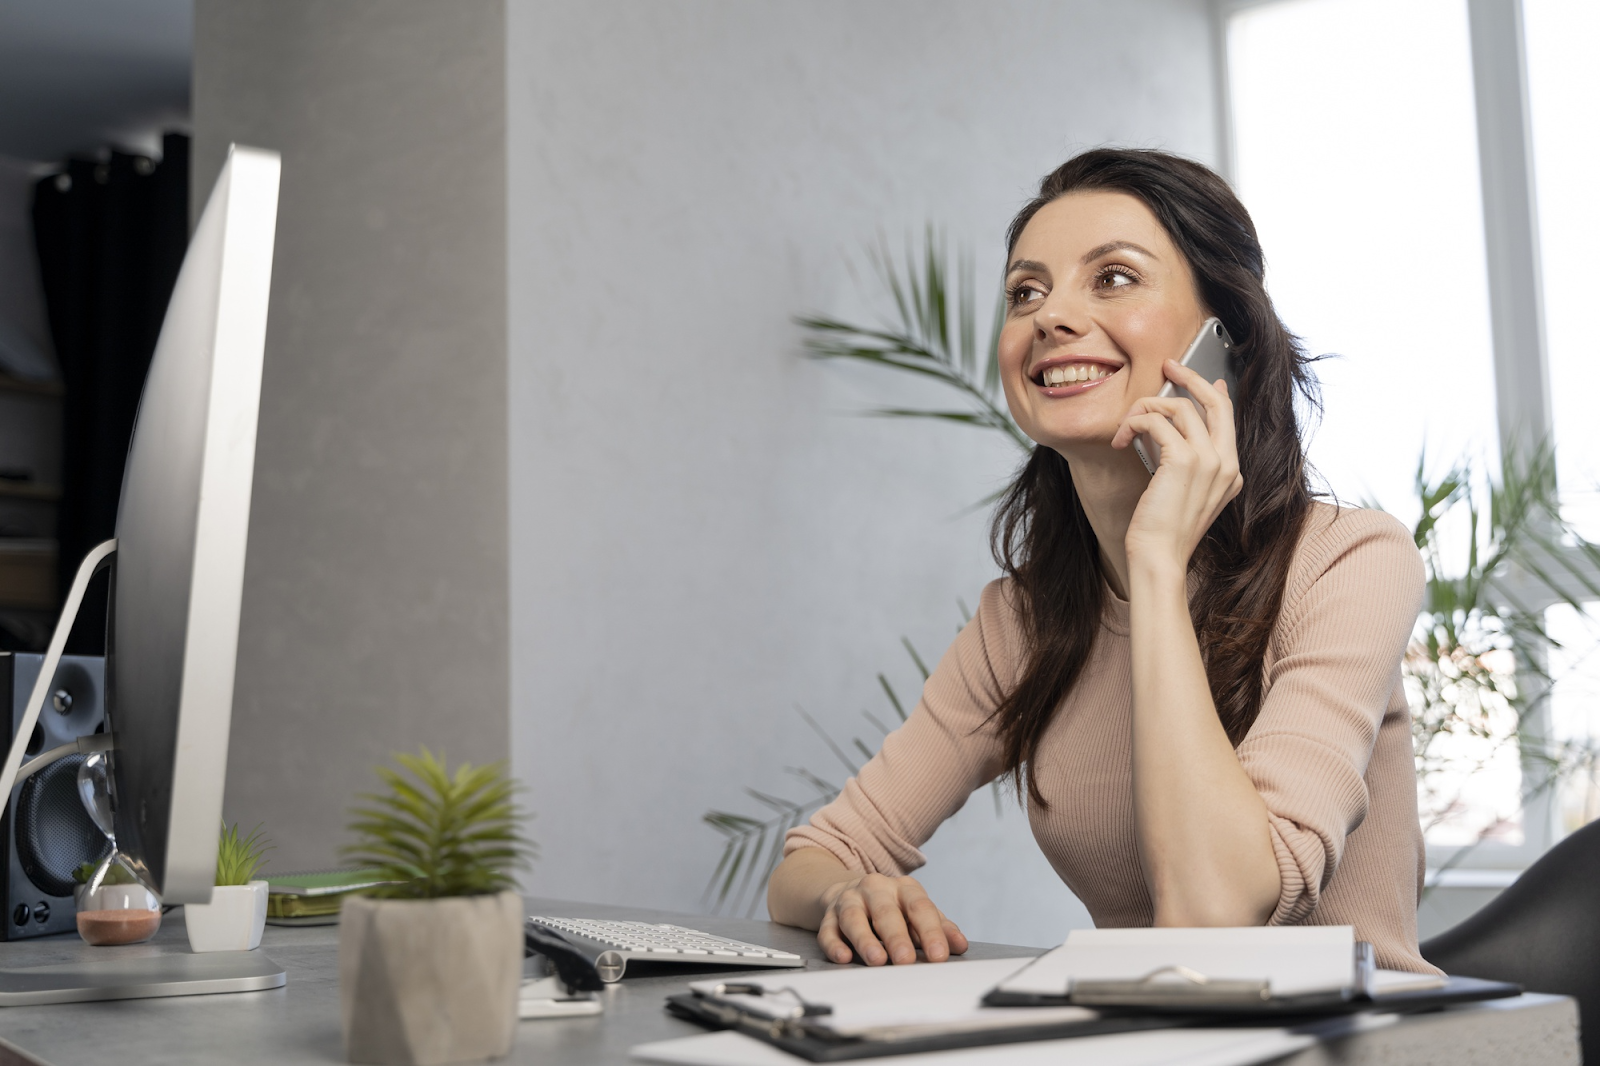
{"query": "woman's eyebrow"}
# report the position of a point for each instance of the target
(1117, 246)
(1027, 264)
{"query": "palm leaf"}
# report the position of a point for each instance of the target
(1474, 609)
(934, 336)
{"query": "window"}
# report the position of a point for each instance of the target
(1385, 149)
(1564, 95)
(1356, 152)
(1574, 721)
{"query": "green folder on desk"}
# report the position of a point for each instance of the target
(315, 896)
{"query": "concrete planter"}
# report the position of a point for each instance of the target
(232, 921)
(426, 982)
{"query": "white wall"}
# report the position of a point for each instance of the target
(702, 536)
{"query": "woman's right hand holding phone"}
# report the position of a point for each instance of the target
(885, 919)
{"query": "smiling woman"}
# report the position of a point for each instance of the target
(1192, 676)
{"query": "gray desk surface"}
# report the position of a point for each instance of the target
(300, 1023)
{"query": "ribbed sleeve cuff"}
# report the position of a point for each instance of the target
(1300, 854)
(877, 859)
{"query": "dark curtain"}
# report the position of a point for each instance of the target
(111, 237)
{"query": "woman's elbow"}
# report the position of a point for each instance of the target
(1236, 902)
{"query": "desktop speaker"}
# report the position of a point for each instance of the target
(45, 833)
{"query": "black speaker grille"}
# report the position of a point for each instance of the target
(55, 835)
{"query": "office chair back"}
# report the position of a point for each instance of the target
(1542, 933)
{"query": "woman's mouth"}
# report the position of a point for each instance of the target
(1069, 379)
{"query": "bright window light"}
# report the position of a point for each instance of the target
(1563, 37)
(1355, 149)
(1564, 96)
(1355, 146)
(1574, 724)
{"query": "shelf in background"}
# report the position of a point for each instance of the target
(30, 388)
(27, 573)
(29, 490)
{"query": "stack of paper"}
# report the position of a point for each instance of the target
(1167, 1047)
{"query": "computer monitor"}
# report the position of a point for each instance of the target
(178, 574)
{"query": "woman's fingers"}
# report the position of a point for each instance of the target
(1179, 413)
(954, 937)
(885, 920)
(889, 922)
(1212, 396)
(927, 925)
(832, 943)
(1157, 426)
(857, 929)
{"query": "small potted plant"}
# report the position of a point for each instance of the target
(237, 913)
(430, 966)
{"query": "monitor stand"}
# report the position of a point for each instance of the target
(141, 977)
(115, 976)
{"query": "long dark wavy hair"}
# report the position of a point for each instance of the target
(1041, 536)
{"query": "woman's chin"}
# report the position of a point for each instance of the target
(1074, 441)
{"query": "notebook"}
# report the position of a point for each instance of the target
(314, 896)
(1279, 969)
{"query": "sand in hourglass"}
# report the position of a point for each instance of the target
(123, 926)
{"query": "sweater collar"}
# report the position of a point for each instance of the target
(1115, 614)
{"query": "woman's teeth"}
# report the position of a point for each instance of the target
(1074, 373)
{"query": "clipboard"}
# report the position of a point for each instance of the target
(850, 1013)
(806, 1039)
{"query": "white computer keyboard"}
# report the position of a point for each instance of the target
(613, 945)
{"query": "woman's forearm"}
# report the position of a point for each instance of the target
(1202, 826)
(799, 890)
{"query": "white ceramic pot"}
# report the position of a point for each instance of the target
(232, 921)
(430, 981)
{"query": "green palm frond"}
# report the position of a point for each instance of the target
(753, 845)
(1477, 666)
(439, 834)
(935, 336)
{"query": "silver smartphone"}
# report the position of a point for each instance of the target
(1208, 357)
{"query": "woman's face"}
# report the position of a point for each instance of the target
(1097, 298)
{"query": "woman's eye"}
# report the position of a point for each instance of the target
(1023, 294)
(1113, 279)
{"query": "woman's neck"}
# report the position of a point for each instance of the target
(1109, 484)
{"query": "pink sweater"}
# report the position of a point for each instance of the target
(1330, 752)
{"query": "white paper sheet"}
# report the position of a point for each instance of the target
(1386, 982)
(1296, 959)
(1162, 1047)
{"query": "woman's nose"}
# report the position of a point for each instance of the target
(1060, 316)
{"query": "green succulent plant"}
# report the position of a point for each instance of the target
(436, 834)
(118, 874)
(240, 858)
